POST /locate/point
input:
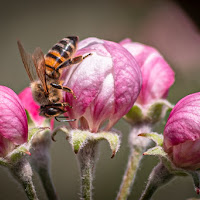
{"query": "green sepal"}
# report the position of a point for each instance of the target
(33, 131)
(167, 115)
(156, 151)
(158, 111)
(135, 115)
(29, 119)
(157, 138)
(4, 162)
(151, 113)
(78, 138)
(18, 153)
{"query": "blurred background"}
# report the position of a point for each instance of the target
(170, 26)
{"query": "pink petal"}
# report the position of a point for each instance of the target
(127, 80)
(184, 122)
(187, 155)
(13, 120)
(156, 73)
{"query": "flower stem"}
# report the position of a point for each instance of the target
(158, 177)
(128, 178)
(47, 183)
(87, 158)
(40, 161)
(22, 171)
(137, 146)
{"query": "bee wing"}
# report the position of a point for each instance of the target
(39, 62)
(27, 61)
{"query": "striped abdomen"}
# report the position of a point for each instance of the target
(60, 52)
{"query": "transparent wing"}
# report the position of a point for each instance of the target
(28, 62)
(39, 62)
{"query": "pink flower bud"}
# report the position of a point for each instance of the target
(182, 133)
(106, 84)
(157, 75)
(32, 107)
(13, 121)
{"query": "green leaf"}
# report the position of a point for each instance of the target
(157, 138)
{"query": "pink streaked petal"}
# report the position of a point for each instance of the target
(6, 146)
(157, 74)
(157, 79)
(88, 42)
(187, 155)
(125, 41)
(127, 79)
(102, 106)
(184, 122)
(30, 105)
(13, 120)
(86, 82)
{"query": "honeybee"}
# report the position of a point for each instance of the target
(44, 72)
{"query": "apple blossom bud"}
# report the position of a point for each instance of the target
(182, 133)
(106, 84)
(13, 121)
(157, 75)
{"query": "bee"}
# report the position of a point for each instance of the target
(44, 72)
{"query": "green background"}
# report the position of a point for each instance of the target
(162, 24)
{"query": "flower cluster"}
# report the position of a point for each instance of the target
(111, 78)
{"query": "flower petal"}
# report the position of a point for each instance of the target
(13, 120)
(157, 75)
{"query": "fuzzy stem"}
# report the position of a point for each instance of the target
(40, 160)
(137, 146)
(22, 171)
(128, 178)
(47, 183)
(158, 177)
(87, 158)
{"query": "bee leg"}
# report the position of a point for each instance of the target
(64, 88)
(72, 61)
(65, 120)
(79, 59)
(60, 105)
